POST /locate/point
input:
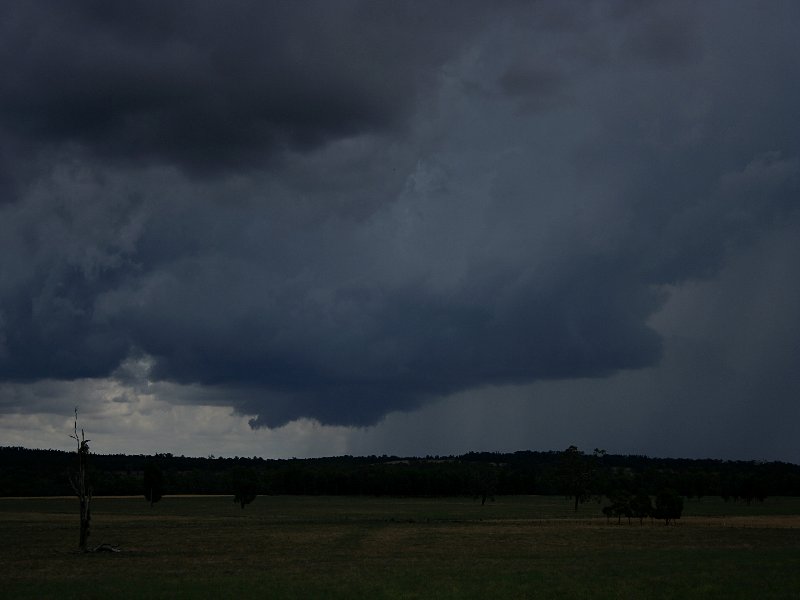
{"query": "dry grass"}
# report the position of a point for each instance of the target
(366, 547)
(739, 521)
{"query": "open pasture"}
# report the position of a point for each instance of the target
(340, 547)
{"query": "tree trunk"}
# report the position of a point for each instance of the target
(84, 493)
(82, 487)
(86, 517)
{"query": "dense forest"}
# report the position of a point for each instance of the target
(25, 472)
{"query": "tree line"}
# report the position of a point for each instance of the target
(571, 472)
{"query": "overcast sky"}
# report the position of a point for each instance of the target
(338, 227)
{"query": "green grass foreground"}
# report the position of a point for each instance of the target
(338, 547)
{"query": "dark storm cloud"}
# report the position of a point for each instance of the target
(382, 235)
(346, 360)
(207, 88)
(530, 81)
(664, 40)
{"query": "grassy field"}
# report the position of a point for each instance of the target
(330, 547)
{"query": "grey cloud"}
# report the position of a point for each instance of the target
(530, 81)
(665, 40)
(766, 172)
(726, 386)
(349, 355)
(412, 241)
(214, 90)
(64, 246)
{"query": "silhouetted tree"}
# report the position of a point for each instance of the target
(641, 506)
(245, 485)
(153, 482)
(751, 487)
(484, 482)
(577, 474)
(81, 484)
(669, 506)
(621, 506)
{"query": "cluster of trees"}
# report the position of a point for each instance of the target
(585, 478)
(668, 506)
(572, 473)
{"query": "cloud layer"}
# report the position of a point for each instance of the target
(340, 210)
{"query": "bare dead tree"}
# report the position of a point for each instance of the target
(81, 484)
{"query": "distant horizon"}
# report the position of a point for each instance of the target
(406, 456)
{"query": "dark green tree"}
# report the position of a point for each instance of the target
(484, 482)
(641, 506)
(245, 485)
(669, 506)
(153, 482)
(621, 506)
(577, 475)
